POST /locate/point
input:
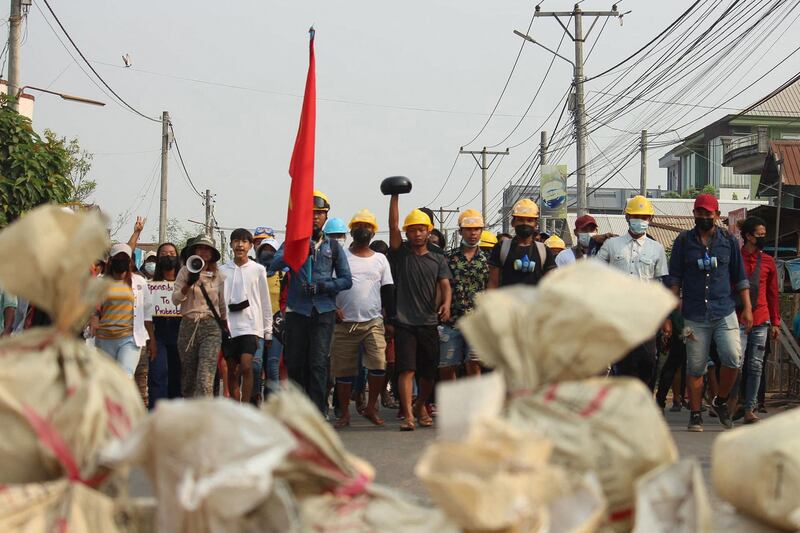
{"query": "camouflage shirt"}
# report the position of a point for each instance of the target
(469, 278)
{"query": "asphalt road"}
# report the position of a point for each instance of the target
(394, 454)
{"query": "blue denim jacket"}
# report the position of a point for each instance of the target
(323, 269)
(707, 295)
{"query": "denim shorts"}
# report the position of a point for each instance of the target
(725, 334)
(453, 348)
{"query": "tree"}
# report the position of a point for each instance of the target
(710, 189)
(690, 193)
(80, 165)
(33, 170)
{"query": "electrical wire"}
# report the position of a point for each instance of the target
(99, 77)
(183, 165)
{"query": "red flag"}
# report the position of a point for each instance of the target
(301, 197)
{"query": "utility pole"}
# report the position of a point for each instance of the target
(162, 213)
(542, 163)
(14, 45)
(442, 212)
(484, 165)
(643, 170)
(209, 223)
(578, 106)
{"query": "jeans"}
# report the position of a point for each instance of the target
(453, 348)
(164, 378)
(274, 365)
(308, 345)
(755, 342)
(258, 359)
(725, 333)
(124, 351)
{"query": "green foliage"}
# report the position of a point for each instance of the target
(33, 171)
(710, 189)
(734, 196)
(80, 163)
(176, 233)
(671, 194)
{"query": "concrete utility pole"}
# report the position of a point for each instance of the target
(484, 165)
(162, 213)
(14, 44)
(578, 106)
(542, 163)
(442, 212)
(209, 223)
(643, 168)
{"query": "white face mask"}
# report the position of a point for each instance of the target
(584, 239)
(150, 268)
(465, 244)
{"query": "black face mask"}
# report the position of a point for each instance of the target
(168, 262)
(704, 224)
(120, 264)
(523, 231)
(265, 258)
(761, 242)
(362, 236)
(316, 233)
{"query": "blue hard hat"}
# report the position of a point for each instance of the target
(334, 225)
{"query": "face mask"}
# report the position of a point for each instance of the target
(120, 264)
(704, 224)
(361, 236)
(168, 262)
(465, 244)
(523, 231)
(316, 233)
(761, 242)
(584, 239)
(149, 268)
(342, 240)
(265, 258)
(638, 227)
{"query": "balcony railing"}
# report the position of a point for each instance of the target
(742, 142)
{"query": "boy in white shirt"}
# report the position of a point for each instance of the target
(249, 313)
(360, 324)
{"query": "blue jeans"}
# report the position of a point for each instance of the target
(453, 348)
(124, 351)
(258, 359)
(157, 376)
(725, 333)
(755, 343)
(273, 366)
(308, 346)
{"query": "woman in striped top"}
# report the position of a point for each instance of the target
(123, 325)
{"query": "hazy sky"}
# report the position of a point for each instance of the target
(401, 86)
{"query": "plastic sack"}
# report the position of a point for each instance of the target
(61, 401)
(574, 324)
(500, 479)
(56, 506)
(210, 461)
(673, 499)
(610, 427)
(757, 469)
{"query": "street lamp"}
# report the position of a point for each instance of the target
(62, 95)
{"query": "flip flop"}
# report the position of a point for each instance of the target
(408, 425)
(374, 418)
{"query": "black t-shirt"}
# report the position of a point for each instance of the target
(510, 276)
(416, 278)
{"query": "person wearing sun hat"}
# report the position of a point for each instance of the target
(200, 336)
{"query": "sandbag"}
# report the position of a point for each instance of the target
(757, 469)
(610, 427)
(673, 499)
(499, 479)
(574, 324)
(211, 464)
(60, 505)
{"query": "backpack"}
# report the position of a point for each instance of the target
(505, 249)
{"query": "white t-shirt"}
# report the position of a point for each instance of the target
(362, 302)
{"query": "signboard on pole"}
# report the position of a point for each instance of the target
(733, 218)
(161, 293)
(554, 191)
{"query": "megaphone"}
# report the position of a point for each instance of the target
(195, 264)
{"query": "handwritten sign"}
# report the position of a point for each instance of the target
(161, 293)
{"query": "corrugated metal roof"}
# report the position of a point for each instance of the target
(788, 153)
(682, 207)
(785, 103)
(664, 229)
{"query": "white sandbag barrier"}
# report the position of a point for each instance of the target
(757, 469)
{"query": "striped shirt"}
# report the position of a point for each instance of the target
(116, 313)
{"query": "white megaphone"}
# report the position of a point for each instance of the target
(195, 264)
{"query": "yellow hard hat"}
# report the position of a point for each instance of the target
(525, 208)
(470, 218)
(639, 205)
(417, 217)
(366, 216)
(555, 243)
(488, 239)
(321, 202)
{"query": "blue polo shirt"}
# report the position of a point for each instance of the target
(707, 294)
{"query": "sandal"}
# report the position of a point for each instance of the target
(373, 417)
(408, 425)
(388, 401)
(424, 418)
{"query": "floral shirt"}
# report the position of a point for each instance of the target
(469, 278)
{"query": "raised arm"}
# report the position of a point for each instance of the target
(395, 237)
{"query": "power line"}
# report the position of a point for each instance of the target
(183, 165)
(67, 35)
